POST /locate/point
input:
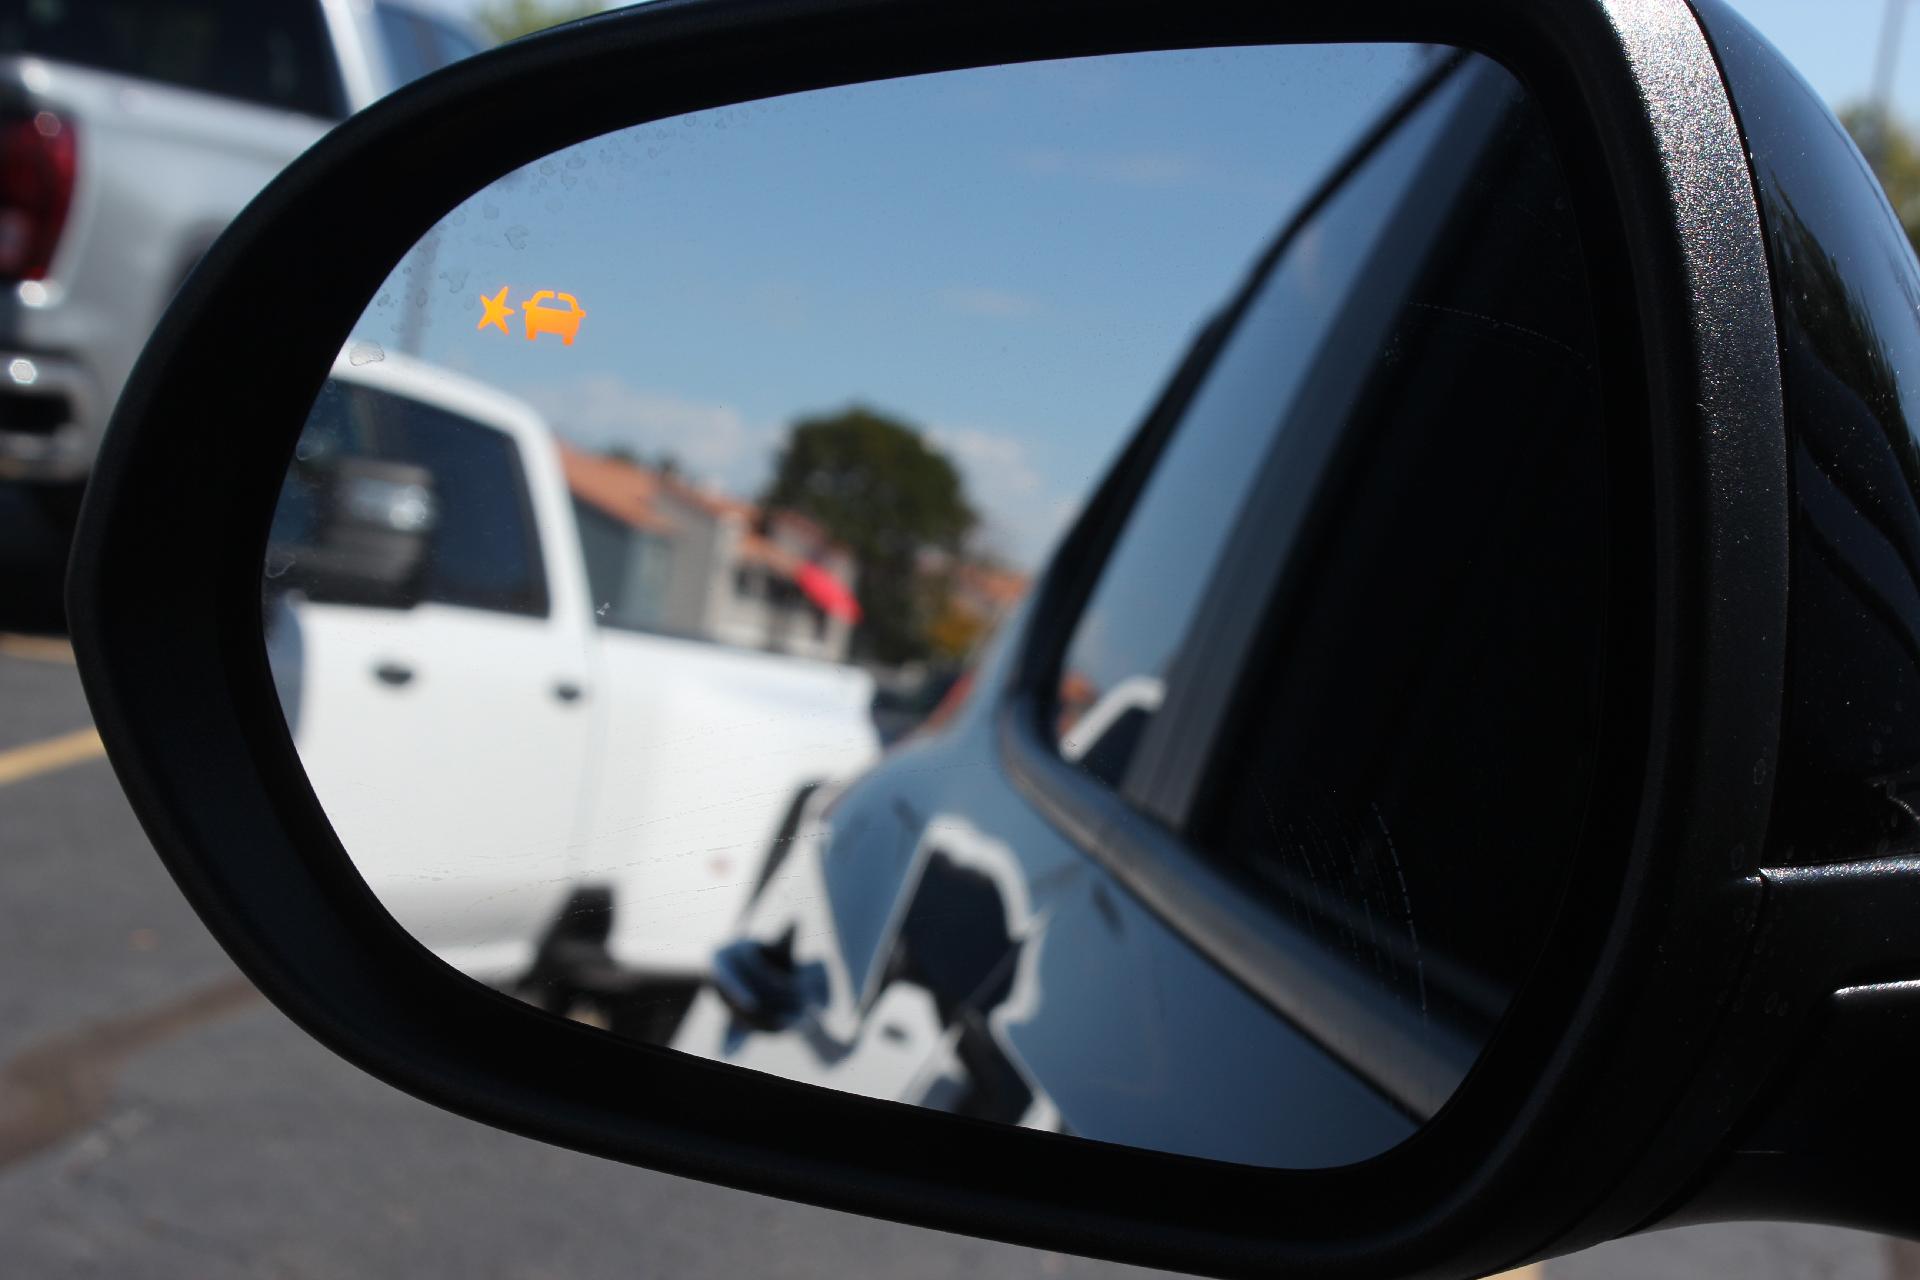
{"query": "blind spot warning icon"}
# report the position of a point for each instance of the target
(497, 310)
(563, 321)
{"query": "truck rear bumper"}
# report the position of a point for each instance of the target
(49, 419)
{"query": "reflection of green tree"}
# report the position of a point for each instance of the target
(1894, 151)
(508, 19)
(876, 486)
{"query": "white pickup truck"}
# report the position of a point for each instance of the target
(531, 795)
(131, 133)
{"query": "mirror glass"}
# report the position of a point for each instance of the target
(648, 596)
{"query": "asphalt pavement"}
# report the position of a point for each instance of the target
(158, 1119)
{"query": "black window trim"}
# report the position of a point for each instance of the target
(1413, 1063)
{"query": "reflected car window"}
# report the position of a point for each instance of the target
(1124, 643)
(1454, 604)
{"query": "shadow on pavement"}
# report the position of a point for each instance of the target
(33, 561)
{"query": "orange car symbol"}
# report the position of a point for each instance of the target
(564, 321)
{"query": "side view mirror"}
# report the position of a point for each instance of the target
(367, 541)
(1421, 500)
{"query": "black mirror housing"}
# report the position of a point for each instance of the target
(1620, 1091)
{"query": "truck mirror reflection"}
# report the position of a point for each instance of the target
(363, 535)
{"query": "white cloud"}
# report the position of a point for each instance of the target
(992, 304)
(1021, 515)
(712, 441)
(992, 456)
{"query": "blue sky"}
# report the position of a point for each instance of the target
(1833, 43)
(1011, 258)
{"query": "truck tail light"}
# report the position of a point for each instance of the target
(37, 155)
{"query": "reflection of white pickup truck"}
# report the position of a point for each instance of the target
(487, 754)
(133, 130)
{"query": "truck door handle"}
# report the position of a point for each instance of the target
(567, 691)
(393, 673)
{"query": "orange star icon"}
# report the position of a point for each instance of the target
(497, 310)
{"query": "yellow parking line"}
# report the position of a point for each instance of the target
(49, 754)
(39, 648)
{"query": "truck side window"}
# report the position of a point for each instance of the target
(1117, 661)
(485, 548)
(486, 551)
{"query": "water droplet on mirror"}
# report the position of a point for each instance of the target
(576, 161)
(456, 278)
(489, 211)
(365, 353)
(517, 237)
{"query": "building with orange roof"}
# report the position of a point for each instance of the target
(669, 556)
